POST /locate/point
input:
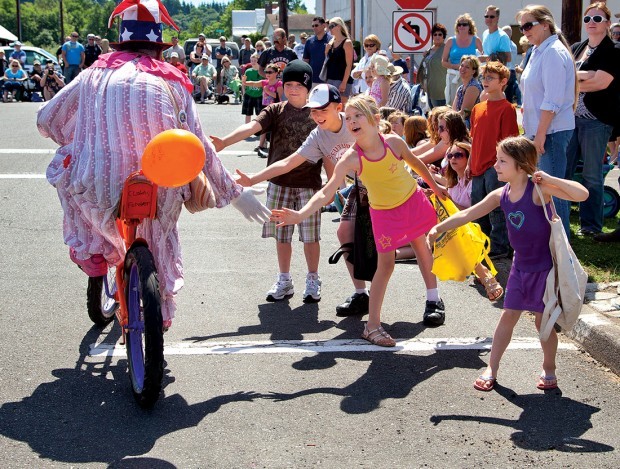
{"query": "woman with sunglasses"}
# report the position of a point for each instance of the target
(598, 72)
(340, 53)
(465, 42)
(372, 44)
(14, 78)
(549, 89)
(432, 74)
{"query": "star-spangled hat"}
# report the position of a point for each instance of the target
(142, 21)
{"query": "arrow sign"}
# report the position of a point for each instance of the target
(412, 4)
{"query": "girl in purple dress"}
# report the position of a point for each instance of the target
(528, 233)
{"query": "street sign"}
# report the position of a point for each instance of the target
(413, 4)
(411, 30)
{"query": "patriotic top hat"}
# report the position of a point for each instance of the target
(142, 21)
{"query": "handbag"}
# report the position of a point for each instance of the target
(457, 252)
(566, 283)
(362, 253)
(323, 73)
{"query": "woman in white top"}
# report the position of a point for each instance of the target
(549, 91)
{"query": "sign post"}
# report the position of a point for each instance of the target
(411, 30)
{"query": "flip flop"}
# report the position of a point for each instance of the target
(546, 383)
(489, 381)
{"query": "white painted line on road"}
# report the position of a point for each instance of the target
(407, 346)
(26, 151)
(22, 176)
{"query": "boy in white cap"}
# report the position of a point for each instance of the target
(327, 142)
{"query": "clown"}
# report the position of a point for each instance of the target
(102, 122)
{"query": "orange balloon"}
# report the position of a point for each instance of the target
(173, 158)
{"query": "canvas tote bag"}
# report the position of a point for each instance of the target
(566, 282)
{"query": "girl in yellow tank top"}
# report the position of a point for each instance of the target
(400, 212)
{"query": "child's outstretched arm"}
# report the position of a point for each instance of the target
(400, 146)
(240, 133)
(276, 169)
(285, 216)
(561, 188)
(474, 212)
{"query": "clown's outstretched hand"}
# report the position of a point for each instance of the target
(250, 206)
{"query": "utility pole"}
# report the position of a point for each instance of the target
(19, 20)
(571, 20)
(283, 15)
(62, 24)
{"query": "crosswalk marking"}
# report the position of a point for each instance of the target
(405, 346)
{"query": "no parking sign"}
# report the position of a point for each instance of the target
(411, 30)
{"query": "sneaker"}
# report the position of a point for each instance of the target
(312, 293)
(585, 233)
(434, 313)
(613, 237)
(280, 290)
(263, 152)
(355, 305)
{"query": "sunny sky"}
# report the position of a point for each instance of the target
(310, 4)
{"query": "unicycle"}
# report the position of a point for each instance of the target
(130, 292)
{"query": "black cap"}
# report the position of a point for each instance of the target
(299, 71)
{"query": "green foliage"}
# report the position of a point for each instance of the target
(41, 19)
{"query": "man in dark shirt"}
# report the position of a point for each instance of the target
(245, 53)
(219, 53)
(314, 51)
(91, 51)
(279, 53)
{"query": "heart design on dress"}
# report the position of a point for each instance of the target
(516, 219)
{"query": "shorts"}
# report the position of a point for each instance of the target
(251, 104)
(396, 227)
(294, 198)
(350, 206)
(525, 290)
(347, 90)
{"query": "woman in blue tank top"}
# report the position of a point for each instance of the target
(464, 42)
(528, 233)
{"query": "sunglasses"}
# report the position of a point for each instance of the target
(332, 26)
(490, 16)
(75, 36)
(457, 155)
(615, 33)
(527, 26)
(269, 72)
(438, 34)
(14, 66)
(316, 25)
(595, 18)
(462, 24)
(370, 45)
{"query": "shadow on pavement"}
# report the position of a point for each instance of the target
(88, 414)
(280, 321)
(548, 422)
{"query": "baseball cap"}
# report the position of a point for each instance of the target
(322, 95)
(201, 35)
(16, 43)
(174, 54)
(90, 36)
(36, 62)
(205, 57)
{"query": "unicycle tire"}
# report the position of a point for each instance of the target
(100, 307)
(144, 332)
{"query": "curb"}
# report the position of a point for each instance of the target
(599, 335)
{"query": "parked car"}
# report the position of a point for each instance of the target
(189, 44)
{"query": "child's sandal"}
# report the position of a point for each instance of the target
(379, 337)
(493, 288)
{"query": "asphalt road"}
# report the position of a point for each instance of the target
(255, 384)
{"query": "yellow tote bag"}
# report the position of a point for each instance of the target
(458, 252)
